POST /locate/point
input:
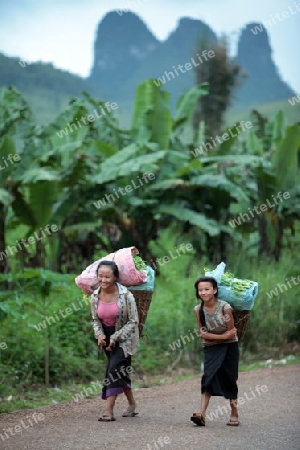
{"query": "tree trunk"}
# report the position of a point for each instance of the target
(4, 266)
(223, 246)
(264, 247)
(279, 227)
(47, 364)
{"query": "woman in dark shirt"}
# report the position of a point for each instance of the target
(220, 346)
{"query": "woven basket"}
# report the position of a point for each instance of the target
(143, 300)
(241, 320)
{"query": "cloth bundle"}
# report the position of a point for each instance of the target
(240, 294)
(148, 285)
(129, 276)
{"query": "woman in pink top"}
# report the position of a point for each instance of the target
(115, 323)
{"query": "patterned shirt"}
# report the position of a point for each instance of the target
(217, 321)
(127, 331)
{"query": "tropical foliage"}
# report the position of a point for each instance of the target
(76, 189)
(77, 179)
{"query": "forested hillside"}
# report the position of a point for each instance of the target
(47, 89)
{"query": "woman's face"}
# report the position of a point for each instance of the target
(106, 277)
(206, 290)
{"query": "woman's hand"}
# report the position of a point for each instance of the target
(102, 340)
(203, 333)
(230, 334)
(207, 337)
(111, 345)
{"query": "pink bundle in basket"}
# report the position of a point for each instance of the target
(129, 275)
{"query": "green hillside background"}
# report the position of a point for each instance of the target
(115, 73)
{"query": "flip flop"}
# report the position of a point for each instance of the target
(233, 423)
(106, 418)
(198, 419)
(129, 413)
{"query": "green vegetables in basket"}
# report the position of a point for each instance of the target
(227, 279)
(239, 286)
(139, 262)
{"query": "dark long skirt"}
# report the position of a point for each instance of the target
(221, 370)
(117, 370)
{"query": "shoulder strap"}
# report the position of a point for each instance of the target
(126, 303)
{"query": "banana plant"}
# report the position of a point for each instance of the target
(14, 112)
(276, 177)
(158, 142)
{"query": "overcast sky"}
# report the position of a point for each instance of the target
(63, 31)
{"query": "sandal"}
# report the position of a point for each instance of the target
(198, 419)
(129, 413)
(233, 423)
(106, 418)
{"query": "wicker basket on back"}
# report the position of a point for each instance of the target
(143, 300)
(241, 320)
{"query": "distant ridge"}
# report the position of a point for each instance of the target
(126, 52)
(263, 83)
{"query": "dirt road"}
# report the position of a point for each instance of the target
(269, 416)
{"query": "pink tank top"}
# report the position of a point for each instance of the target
(107, 313)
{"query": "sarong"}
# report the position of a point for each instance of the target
(117, 370)
(221, 370)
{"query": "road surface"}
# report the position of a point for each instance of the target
(269, 419)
